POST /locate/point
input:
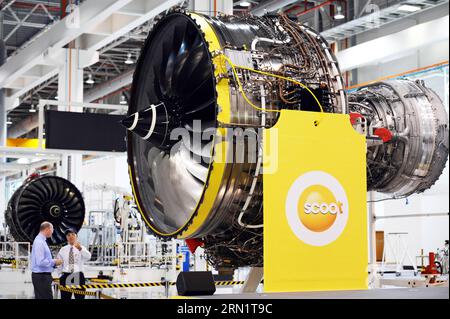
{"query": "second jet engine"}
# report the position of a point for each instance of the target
(44, 198)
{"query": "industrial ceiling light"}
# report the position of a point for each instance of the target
(129, 60)
(245, 4)
(32, 109)
(123, 101)
(339, 15)
(9, 121)
(409, 8)
(90, 80)
(57, 97)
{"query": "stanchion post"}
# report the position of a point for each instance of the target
(166, 286)
(98, 294)
(55, 290)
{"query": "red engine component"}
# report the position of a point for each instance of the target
(193, 244)
(384, 134)
(32, 176)
(354, 117)
(431, 269)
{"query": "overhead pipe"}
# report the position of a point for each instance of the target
(293, 9)
(25, 5)
(323, 4)
(63, 8)
(299, 7)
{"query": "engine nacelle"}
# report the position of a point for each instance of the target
(200, 74)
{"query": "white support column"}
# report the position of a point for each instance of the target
(71, 74)
(372, 230)
(2, 200)
(3, 125)
(373, 269)
(70, 89)
(70, 81)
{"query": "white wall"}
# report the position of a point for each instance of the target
(111, 171)
(427, 233)
(103, 180)
(435, 53)
(432, 54)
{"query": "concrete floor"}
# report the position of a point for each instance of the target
(17, 285)
(391, 293)
(25, 291)
(14, 291)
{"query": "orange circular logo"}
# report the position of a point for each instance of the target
(318, 208)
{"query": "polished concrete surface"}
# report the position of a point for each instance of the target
(16, 284)
(25, 291)
(387, 293)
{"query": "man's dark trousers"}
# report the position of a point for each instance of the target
(42, 283)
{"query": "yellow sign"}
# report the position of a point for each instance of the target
(315, 220)
(24, 142)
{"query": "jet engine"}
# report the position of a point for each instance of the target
(204, 89)
(412, 124)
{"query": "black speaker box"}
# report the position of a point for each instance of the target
(195, 283)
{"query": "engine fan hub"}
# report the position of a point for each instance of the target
(55, 210)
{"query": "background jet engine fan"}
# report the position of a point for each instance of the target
(46, 198)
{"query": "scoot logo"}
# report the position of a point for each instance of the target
(317, 208)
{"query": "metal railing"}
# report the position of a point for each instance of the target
(134, 254)
(17, 252)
